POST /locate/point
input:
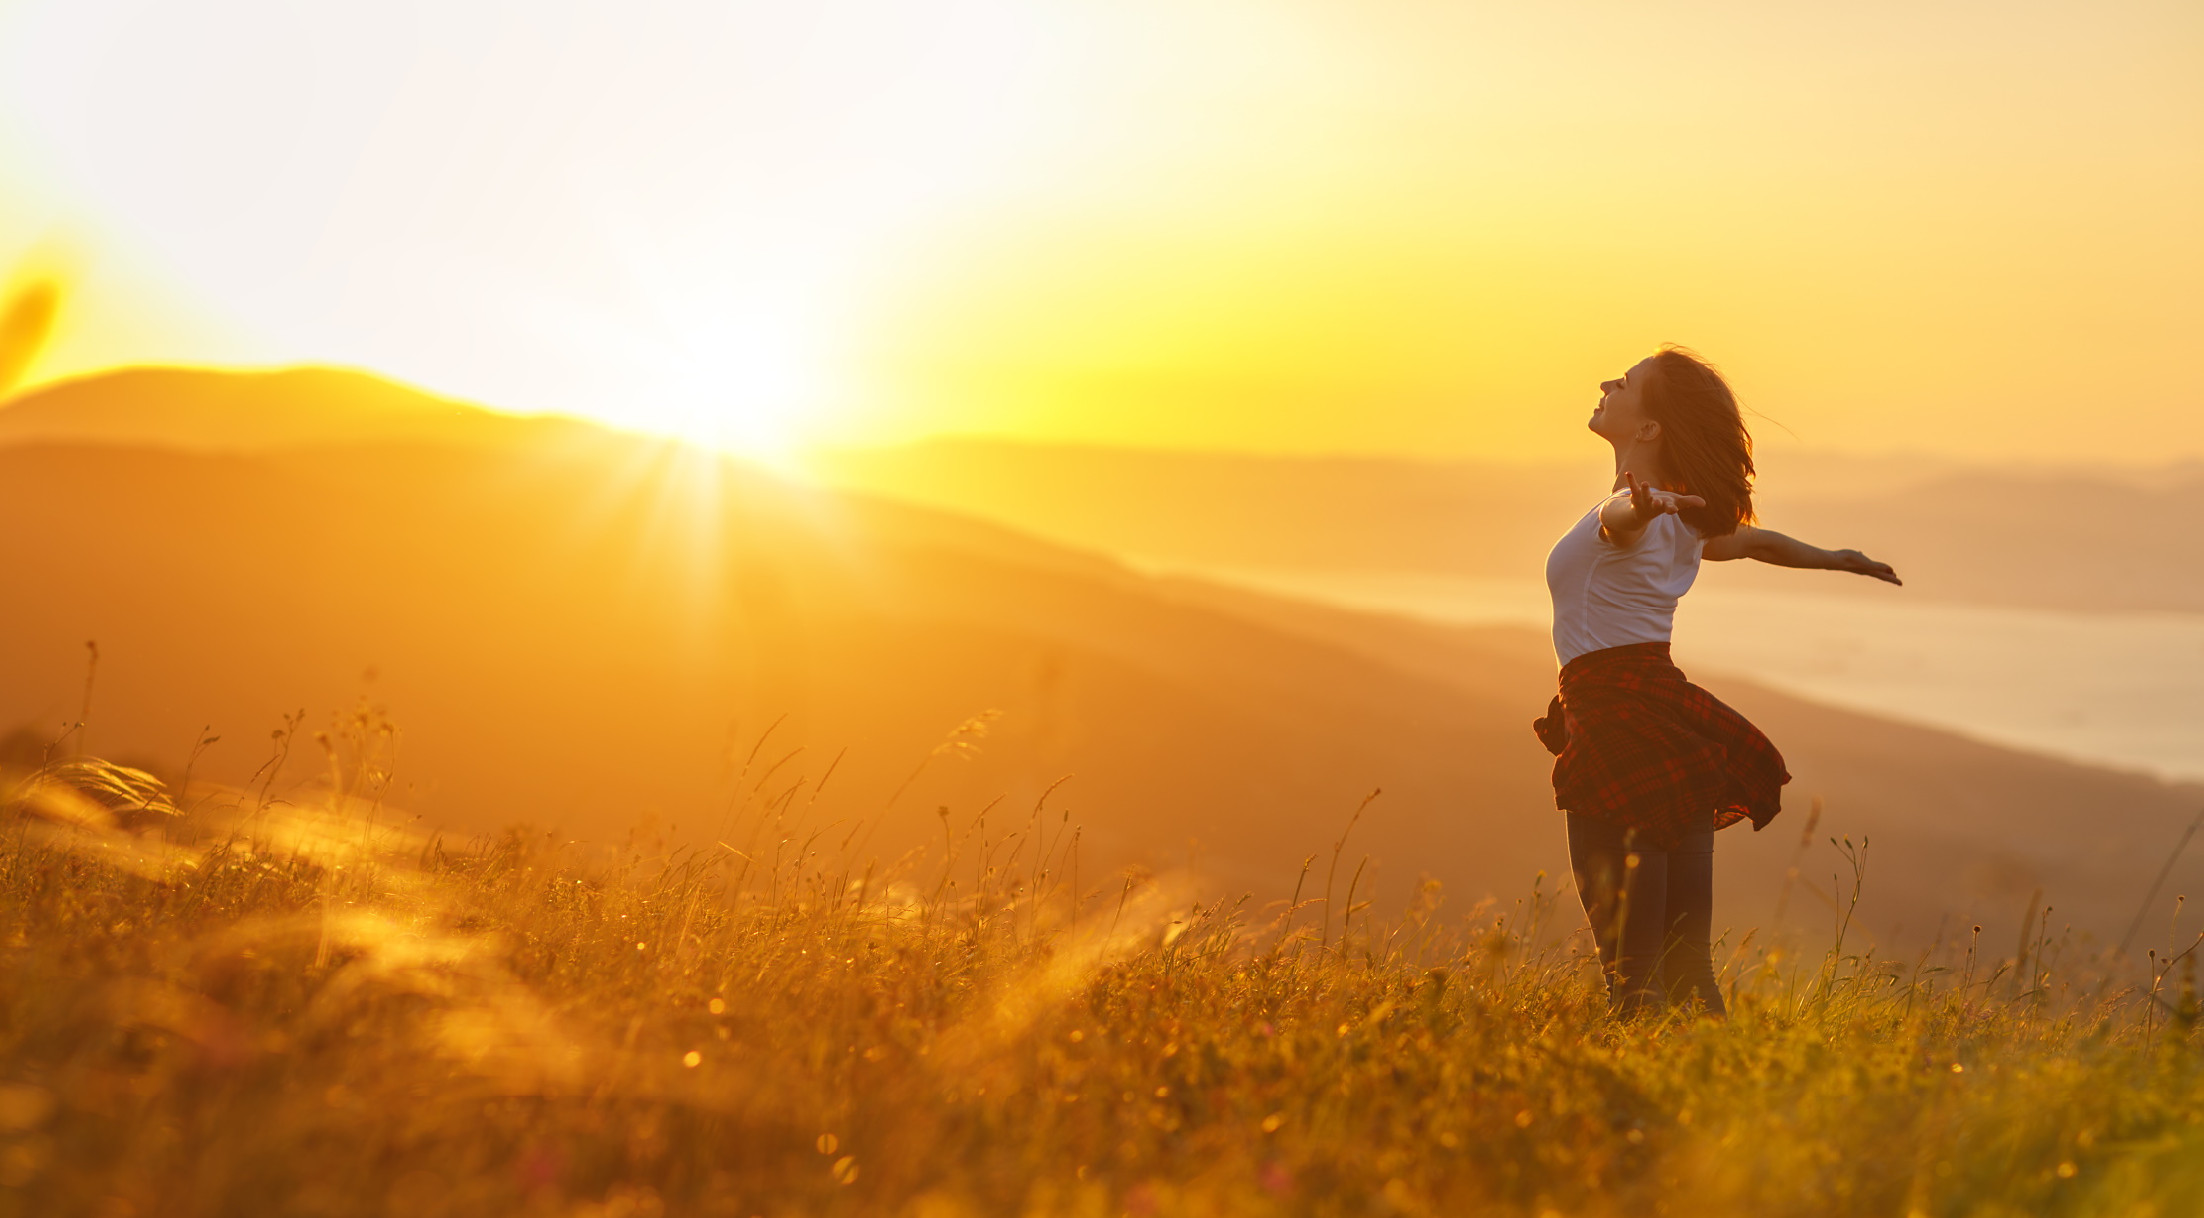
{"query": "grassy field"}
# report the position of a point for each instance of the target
(262, 1007)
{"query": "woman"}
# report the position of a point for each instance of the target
(1648, 765)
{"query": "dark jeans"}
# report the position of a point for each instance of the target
(1652, 913)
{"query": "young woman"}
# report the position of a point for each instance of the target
(1647, 764)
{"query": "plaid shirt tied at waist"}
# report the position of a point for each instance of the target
(1635, 742)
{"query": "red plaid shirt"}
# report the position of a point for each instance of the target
(1634, 741)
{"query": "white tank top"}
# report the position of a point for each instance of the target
(1607, 595)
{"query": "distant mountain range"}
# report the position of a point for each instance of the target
(2068, 539)
(581, 629)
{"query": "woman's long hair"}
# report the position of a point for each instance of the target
(1705, 449)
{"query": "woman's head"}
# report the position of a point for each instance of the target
(1676, 404)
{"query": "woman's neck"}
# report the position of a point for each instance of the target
(1642, 461)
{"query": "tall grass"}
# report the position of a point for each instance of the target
(242, 1006)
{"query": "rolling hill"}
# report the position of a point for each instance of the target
(2082, 538)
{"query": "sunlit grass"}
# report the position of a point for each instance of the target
(252, 1007)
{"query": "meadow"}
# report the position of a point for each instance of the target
(242, 1001)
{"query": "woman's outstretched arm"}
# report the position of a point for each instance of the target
(1772, 547)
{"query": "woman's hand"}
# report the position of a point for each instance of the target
(1648, 501)
(1624, 519)
(1860, 564)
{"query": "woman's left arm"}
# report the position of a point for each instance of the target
(1774, 548)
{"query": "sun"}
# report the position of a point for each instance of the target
(750, 381)
(746, 398)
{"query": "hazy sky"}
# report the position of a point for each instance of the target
(1385, 225)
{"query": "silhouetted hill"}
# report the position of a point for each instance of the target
(1347, 513)
(585, 634)
(198, 410)
(2071, 539)
(2052, 539)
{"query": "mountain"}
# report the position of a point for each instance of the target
(599, 631)
(189, 409)
(2043, 537)
(1347, 513)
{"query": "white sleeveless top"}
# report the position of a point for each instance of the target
(1607, 595)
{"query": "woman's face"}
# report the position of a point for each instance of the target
(1620, 416)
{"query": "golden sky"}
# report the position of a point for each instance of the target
(1388, 225)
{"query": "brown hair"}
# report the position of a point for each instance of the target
(1705, 449)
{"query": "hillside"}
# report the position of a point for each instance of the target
(245, 1011)
(2052, 538)
(255, 411)
(584, 635)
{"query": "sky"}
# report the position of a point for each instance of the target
(1389, 226)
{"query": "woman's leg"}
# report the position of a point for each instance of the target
(1625, 894)
(1687, 962)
